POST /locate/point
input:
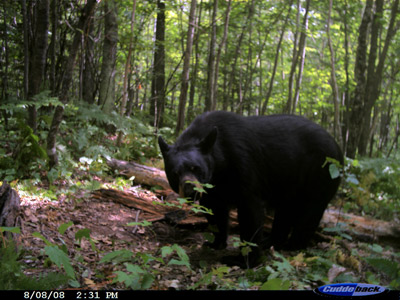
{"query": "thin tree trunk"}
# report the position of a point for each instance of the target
(88, 72)
(230, 90)
(298, 58)
(158, 81)
(127, 71)
(289, 103)
(186, 65)
(346, 102)
(355, 120)
(278, 47)
(52, 47)
(4, 92)
(218, 58)
(67, 80)
(209, 100)
(107, 81)
(193, 77)
(37, 60)
(374, 78)
(335, 90)
(302, 51)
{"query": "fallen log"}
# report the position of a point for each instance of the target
(364, 228)
(357, 226)
(360, 228)
(155, 209)
(143, 174)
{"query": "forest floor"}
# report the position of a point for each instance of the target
(107, 223)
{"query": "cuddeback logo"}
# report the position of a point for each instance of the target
(350, 289)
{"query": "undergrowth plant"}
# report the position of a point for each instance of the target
(12, 276)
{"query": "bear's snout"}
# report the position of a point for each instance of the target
(187, 187)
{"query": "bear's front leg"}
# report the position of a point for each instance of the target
(219, 221)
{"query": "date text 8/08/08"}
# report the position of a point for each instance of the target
(66, 295)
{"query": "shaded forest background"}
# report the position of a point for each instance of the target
(334, 62)
(83, 81)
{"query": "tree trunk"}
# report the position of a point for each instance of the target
(278, 47)
(302, 56)
(193, 76)
(209, 100)
(52, 47)
(289, 103)
(230, 89)
(346, 94)
(37, 59)
(374, 74)
(185, 72)
(298, 59)
(355, 120)
(335, 89)
(127, 71)
(88, 73)
(107, 77)
(9, 205)
(66, 81)
(218, 58)
(4, 93)
(158, 82)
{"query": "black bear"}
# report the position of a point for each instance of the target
(255, 164)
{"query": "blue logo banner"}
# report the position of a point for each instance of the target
(351, 289)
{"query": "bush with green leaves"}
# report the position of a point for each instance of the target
(373, 186)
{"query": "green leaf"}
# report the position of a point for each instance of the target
(117, 256)
(386, 266)
(63, 227)
(10, 229)
(82, 233)
(40, 236)
(60, 259)
(144, 223)
(275, 284)
(334, 171)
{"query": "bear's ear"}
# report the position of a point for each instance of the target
(163, 145)
(208, 142)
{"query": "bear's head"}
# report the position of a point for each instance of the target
(188, 163)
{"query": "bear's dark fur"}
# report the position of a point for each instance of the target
(256, 163)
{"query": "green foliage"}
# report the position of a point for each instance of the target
(196, 208)
(388, 267)
(138, 271)
(59, 254)
(215, 279)
(372, 184)
(12, 275)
